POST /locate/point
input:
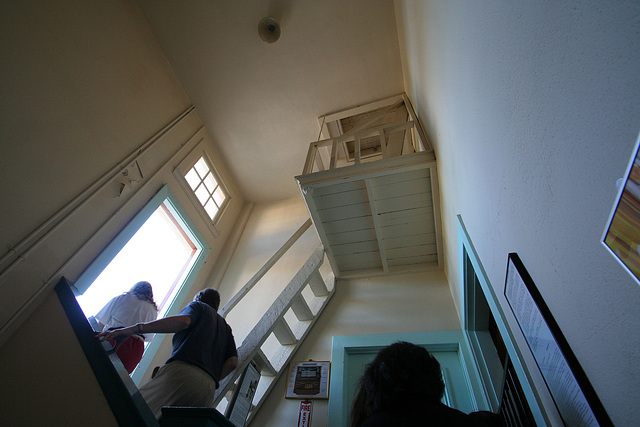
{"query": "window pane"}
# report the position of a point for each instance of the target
(211, 209)
(157, 253)
(192, 178)
(205, 185)
(202, 167)
(219, 196)
(202, 194)
(210, 182)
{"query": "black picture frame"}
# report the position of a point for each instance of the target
(569, 386)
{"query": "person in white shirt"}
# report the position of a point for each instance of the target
(135, 306)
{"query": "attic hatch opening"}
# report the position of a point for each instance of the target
(376, 212)
(371, 146)
(160, 252)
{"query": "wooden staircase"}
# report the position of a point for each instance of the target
(307, 307)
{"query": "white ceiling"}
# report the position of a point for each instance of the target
(260, 102)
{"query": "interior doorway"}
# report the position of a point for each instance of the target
(350, 354)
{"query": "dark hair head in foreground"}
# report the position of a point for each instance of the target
(400, 374)
(403, 387)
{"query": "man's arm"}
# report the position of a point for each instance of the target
(165, 325)
(228, 366)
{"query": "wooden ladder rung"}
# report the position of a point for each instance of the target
(317, 285)
(266, 368)
(283, 332)
(301, 308)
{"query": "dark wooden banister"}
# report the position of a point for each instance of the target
(123, 397)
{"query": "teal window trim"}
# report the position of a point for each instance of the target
(164, 195)
(433, 341)
(467, 296)
(178, 302)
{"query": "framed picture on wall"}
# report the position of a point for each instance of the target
(308, 380)
(622, 234)
(575, 398)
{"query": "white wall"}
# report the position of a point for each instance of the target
(46, 377)
(387, 304)
(533, 111)
(84, 85)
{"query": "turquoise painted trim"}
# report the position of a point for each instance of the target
(433, 341)
(176, 305)
(515, 355)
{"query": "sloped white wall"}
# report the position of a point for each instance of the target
(533, 110)
(82, 91)
(84, 85)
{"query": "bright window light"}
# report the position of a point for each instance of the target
(206, 188)
(160, 253)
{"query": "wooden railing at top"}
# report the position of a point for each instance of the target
(418, 142)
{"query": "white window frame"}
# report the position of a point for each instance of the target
(184, 167)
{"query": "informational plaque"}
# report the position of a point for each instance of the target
(241, 402)
(570, 388)
(308, 380)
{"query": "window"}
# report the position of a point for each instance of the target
(160, 252)
(160, 245)
(206, 188)
(201, 182)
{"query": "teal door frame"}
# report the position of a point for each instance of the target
(467, 311)
(343, 346)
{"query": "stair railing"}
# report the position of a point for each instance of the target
(265, 268)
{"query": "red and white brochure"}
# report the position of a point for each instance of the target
(304, 419)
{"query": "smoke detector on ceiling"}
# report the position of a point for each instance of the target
(269, 30)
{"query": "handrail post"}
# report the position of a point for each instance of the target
(334, 153)
(311, 156)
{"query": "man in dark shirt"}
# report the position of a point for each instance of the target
(204, 352)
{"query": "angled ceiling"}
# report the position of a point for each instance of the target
(260, 102)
